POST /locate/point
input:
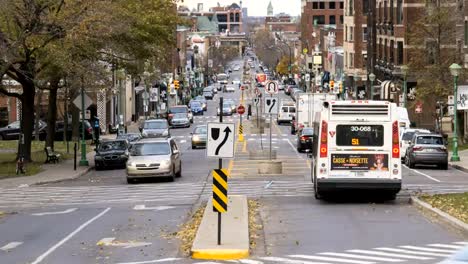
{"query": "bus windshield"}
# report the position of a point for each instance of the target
(360, 135)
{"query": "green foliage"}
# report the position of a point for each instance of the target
(283, 66)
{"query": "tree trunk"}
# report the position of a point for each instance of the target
(37, 115)
(27, 118)
(75, 123)
(51, 117)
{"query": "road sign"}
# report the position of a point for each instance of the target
(242, 87)
(307, 77)
(271, 87)
(154, 95)
(87, 101)
(220, 189)
(221, 138)
(257, 91)
(240, 109)
(271, 105)
(305, 50)
(256, 100)
(418, 109)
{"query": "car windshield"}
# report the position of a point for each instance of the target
(195, 104)
(178, 110)
(307, 132)
(150, 149)
(112, 145)
(201, 130)
(429, 140)
(155, 125)
(180, 115)
(226, 105)
(409, 135)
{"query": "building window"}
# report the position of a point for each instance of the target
(332, 20)
(399, 11)
(392, 51)
(315, 5)
(400, 52)
(346, 33)
(351, 33)
(384, 50)
(350, 8)
(319, 20)
(346, 59)
(466, 33)
(331, 5)
(391, 11)
(351, 59)
(431, 51)
(341, 20)
(379, 12)
(385, 11)
(365, 7)
(364, 34)
(341, 5)
(321, 5)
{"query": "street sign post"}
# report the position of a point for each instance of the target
(241, 111)
(271, 107)
(87, 101)
(271, 87)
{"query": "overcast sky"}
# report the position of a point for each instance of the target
(254, 7)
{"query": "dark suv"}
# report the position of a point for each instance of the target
(427, 149)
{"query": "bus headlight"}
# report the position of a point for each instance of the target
(395, 172)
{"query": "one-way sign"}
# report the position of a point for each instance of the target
(271, 105)
(221, 137)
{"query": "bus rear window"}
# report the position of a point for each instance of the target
(360, 135)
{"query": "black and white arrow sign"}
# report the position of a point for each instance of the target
(221, 138)
(256, 100)
(271, 105)
(271, 87)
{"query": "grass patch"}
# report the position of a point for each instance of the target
(254, 226)
(454, 204)
(8, 160)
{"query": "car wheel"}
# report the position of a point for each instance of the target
(172, 177)
(194, 147)
(1, 137)
(411, 165)
(443, 166)
(179, 174)
(317, 193)
(131, 181)
(97, 167)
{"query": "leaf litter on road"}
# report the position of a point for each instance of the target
(455, 204)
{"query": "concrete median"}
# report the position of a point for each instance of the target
(234, 234)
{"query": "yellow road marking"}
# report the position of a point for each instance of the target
(244, 148)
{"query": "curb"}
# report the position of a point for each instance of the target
(458, 167)
(444, 216)
(67, 179)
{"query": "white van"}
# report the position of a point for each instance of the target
(286, 112)
(356, 146)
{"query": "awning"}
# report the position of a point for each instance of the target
(385, 88)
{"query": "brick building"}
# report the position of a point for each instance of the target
(281, 23)
(227, 18)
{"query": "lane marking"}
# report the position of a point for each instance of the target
(384, 254)
(183, 141)
(423, 174)
(445, 246)
(56, 213)
(142, 207)
(291, 261)
(249, 261)
(151, 261)
(462, 243)
(345, 255)
(429, 249)
(109, 241)
(292, 146)
(331, 259)
(413, 252)
(11, 246)
(72, 234)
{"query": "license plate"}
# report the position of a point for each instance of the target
(431, 150)
(359, 174)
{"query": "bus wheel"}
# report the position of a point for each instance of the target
(317, 194)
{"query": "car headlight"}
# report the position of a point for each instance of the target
(131, 164)
(196, 138)
(165, 133)
(165, 163)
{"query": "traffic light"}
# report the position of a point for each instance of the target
(332, 85)
(341, 87)
(176, 84)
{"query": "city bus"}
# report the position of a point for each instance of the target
(356, 147)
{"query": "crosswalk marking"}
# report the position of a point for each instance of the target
(290, 261)
(429, 249)
(413, 252)
(345, 255)
(331, 259)
(384, 254)
(11, 246)
(445, 246)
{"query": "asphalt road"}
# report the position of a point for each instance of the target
(99, 218)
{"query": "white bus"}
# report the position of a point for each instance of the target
(356, 147)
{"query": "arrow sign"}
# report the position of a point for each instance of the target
(271, 87)
(271, 105)
(256, 101)
(110, 241)
(220, 140)
(142, 207)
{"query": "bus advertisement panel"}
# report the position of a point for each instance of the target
(355, 161)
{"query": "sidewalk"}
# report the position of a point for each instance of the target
(463, 163)
(51, 173)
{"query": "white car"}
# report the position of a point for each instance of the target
(230, 89)
(406, 137)
(286, 113)
(236, 82)
(460, 257)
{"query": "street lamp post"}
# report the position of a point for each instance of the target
(83, 161)
(372, 79)
(404, 70)
(455, 71)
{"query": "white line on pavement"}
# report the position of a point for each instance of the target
(183, 141)
(64, 240)
(291, 261)
(413, 252)
(384, 254)
(292, 146)
(445, 246)
(423, 174)
(331, 259)
(10, 246)
(157, 208)
(151, 261)
(249, 261)
(56, 213)
(429, 249)
(345, 255)
(462, 243)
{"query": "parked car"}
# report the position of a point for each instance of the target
(196, 108)
(236, 82)
(305, 139)
(406, 138)
(199, 136)
(130, 137)
(155, 128)
(111, 153)
(12, 131)
(60, 127)
(179, 109)
(151, 158)
(460, 257)
(180, 120)
(427, 149)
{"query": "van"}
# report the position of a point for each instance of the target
(287, 112)
(208, 93)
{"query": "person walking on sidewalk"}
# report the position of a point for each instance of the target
(249, 111)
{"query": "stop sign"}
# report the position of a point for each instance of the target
(240, 109)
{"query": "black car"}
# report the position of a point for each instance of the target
(111, 153)
(305, 139)
(12, 131)
(60, 127)
(130, 137)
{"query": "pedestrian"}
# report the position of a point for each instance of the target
(249, 111)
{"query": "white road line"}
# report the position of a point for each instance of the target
(10, 246)
(413, 252)
(429, 249)
(462, 243)
(292, 146)
(344, 255)
(249, 261)
(183, 141)
(56, 213)
(291, 261)
(423, 174)
(445, 246)
(331, 259)
(105, 241)
(384, 254)
(151, 261)
(64, 240)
